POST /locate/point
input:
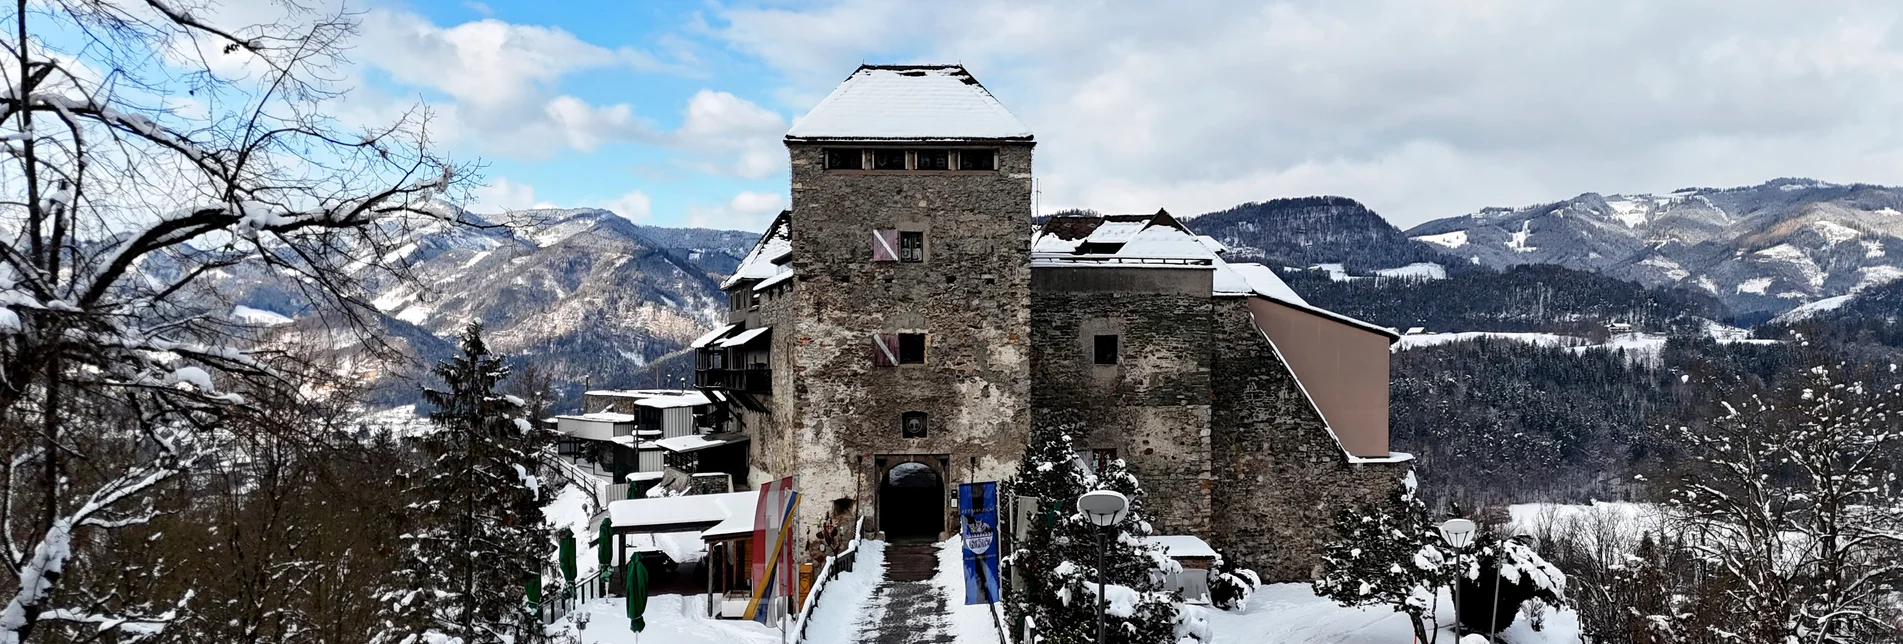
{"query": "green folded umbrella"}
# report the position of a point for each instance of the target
(604, 547)
(568, 559)
(532, 589)
(637, 594)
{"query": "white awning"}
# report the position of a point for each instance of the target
(744, 337)
(711, 336)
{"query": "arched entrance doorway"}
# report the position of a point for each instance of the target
(911, 503)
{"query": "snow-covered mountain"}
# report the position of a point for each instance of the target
(593, 296)
(1762, 249)
(1309, 231)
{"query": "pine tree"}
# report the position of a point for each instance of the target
(1387, 554)
(482, 532)
(1059, 558)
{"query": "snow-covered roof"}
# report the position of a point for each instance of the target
(697, 442)
(675, 512)
(909, 103)
(710, 336)
(599, 417)
(775, 280)
(744, 337)
(764, 260)
(644, 476)
(1161, 241)
(1181, 545)
(673, 399)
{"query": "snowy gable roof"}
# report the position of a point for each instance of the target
(764, 261)
(681, 513)
(909, 103)
(1161, 240)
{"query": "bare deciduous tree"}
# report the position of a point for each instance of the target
(147, 146)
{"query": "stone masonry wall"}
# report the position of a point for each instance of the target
(1153, 406)
(971, 296)
(1281, 477)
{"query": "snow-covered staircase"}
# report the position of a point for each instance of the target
(910, 609)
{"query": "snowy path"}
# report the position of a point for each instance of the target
(901, 594)
(1292, 614)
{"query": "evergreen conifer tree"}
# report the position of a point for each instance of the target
(481, 532)
(1388, 554)
(1059, 558)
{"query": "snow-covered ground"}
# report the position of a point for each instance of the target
(970, 624)
(844, 601)
(1292, 614)
(671, 619)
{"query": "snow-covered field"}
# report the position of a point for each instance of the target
(1292, 614)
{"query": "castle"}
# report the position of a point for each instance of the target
(904, 325)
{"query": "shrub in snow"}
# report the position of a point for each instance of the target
(1230, 585)
(1058, 561)
(481, 506)
(1498, 576)
(1388, 554)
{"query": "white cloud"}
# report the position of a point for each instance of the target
(745, 211)
(1422, 110)
(634, 206)
(729, 135)
(503, 81)
(502, 194)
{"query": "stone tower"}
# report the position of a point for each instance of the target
(910, 234)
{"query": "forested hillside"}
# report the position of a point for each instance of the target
(1534, 297)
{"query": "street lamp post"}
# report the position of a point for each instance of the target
(1103, 508)
(1458, 533)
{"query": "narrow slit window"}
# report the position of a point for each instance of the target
(911, 246)
(977, 159)
(934, 159)
(1106, 349)
(911, 348)
(888, 159)
(845, 159)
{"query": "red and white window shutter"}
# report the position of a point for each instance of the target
(885, 350)
(885, 245)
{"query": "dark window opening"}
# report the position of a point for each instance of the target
(888, 159)
(977, 159)
(912, 424)
(845, 159)
(1099, 248)
(934, 159)
(736, 300)
(911, 246)
(1101, 458)
(1106, 346)
(911, 348)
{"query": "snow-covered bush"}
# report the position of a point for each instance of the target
(1521, 575)
(1230, 585)
(1058, 561)
(1387, 554)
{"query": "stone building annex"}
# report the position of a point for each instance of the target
(905, 324)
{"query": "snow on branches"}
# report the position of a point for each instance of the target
(1792, 497)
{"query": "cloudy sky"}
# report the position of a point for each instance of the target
(670, 112)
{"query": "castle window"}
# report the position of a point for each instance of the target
(736, 300)
(912, 424)
(1106, 349)
(845, 159)
(911, 348)
(1101, 458)
(977, 159)
(888, 159)
(911, 246)
(933, 159)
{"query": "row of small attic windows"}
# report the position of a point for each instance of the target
(911, 159)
